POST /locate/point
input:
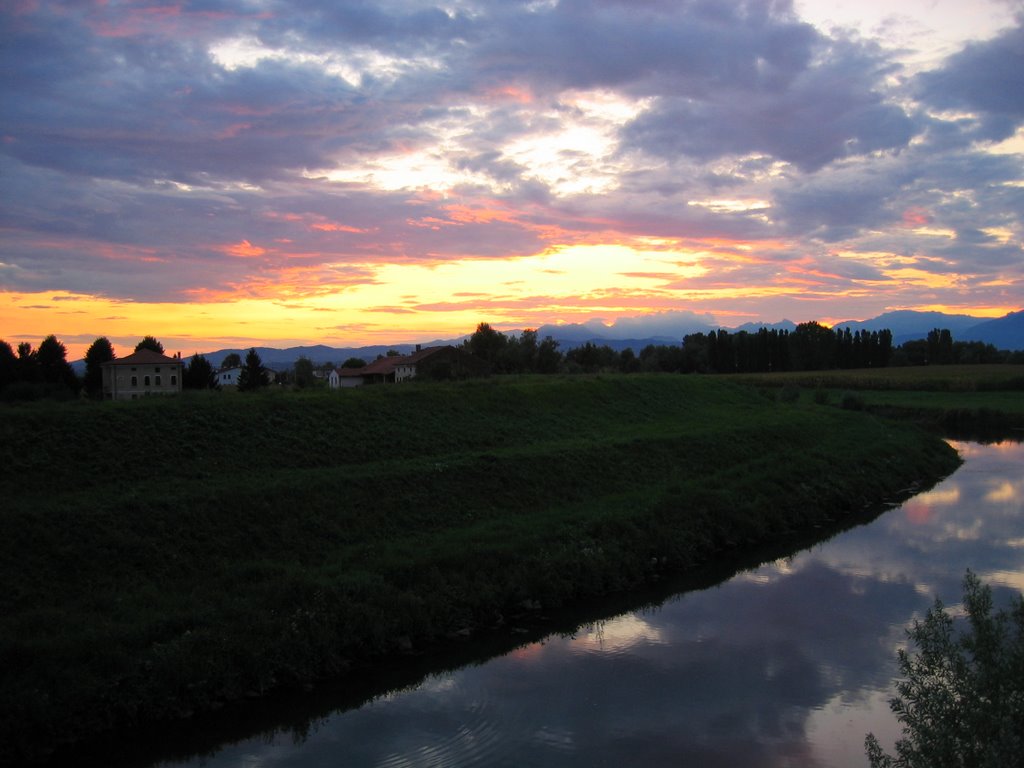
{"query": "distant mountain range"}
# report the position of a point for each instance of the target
(669, 328)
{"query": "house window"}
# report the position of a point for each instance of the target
(174, 380)
(158, 379)
(157, 369)
(135, 380)
(145, 381)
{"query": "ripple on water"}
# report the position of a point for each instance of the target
(480, 739)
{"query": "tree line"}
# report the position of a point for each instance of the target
(810, 346)
(28, 374)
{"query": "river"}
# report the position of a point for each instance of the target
(787, 664)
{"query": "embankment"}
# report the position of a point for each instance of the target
(162, 557)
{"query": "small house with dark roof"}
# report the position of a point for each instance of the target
(141, 373)
(433, 362)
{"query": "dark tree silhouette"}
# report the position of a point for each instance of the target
(940, 346)
(8, 364)
(253, 375)
(304, 373)
(199, 374)
(487, 344)
(549, 359)
(151, 343)
(812, 347)
(54, 368)
(28, 363)
(99, 352)
(233, 360)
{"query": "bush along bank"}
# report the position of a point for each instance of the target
(149, 594)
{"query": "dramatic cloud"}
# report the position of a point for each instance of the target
(342, 156)
(987, 79)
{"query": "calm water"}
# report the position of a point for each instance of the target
(786, 665)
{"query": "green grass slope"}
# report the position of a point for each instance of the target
(163, 556)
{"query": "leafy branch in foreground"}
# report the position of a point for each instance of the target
(961, 696)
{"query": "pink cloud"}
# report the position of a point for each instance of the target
(242, 250)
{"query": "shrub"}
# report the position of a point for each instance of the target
(850, 401)
(961, 699)
(789, 394)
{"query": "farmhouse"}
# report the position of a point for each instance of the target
(228, 377)
(142, 373)
(446, 362)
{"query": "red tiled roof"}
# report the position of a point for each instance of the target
(385, 366)
(145, 357)
(381, 367)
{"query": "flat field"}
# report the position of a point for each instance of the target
(163, 556)
(980, 401)
(925, 378)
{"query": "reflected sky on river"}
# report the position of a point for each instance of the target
(786, 665)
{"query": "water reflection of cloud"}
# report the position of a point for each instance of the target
(918, 512)
(920, 509)
(1012, 579)
(761, 576)
(836, 730)
(1006, 493)
(943, 496)
(959, 531)
(615, 635)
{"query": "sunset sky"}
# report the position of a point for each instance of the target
(228, 173)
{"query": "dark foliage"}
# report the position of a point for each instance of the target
(8, 365)
(304, 377)
(150, 343)
(99, 352)
(517, 354)
(199, 374)
(253, 376)
(961, 696)
(37, 373)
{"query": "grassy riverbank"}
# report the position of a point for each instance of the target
(160, 557)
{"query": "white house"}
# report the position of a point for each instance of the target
(228, 377)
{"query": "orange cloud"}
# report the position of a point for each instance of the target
(467, 214)
(333, 227)
(242, 250)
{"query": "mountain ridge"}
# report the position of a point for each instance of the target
(906, 325)
(1006, 332)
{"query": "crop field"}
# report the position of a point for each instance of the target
(930, 378)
